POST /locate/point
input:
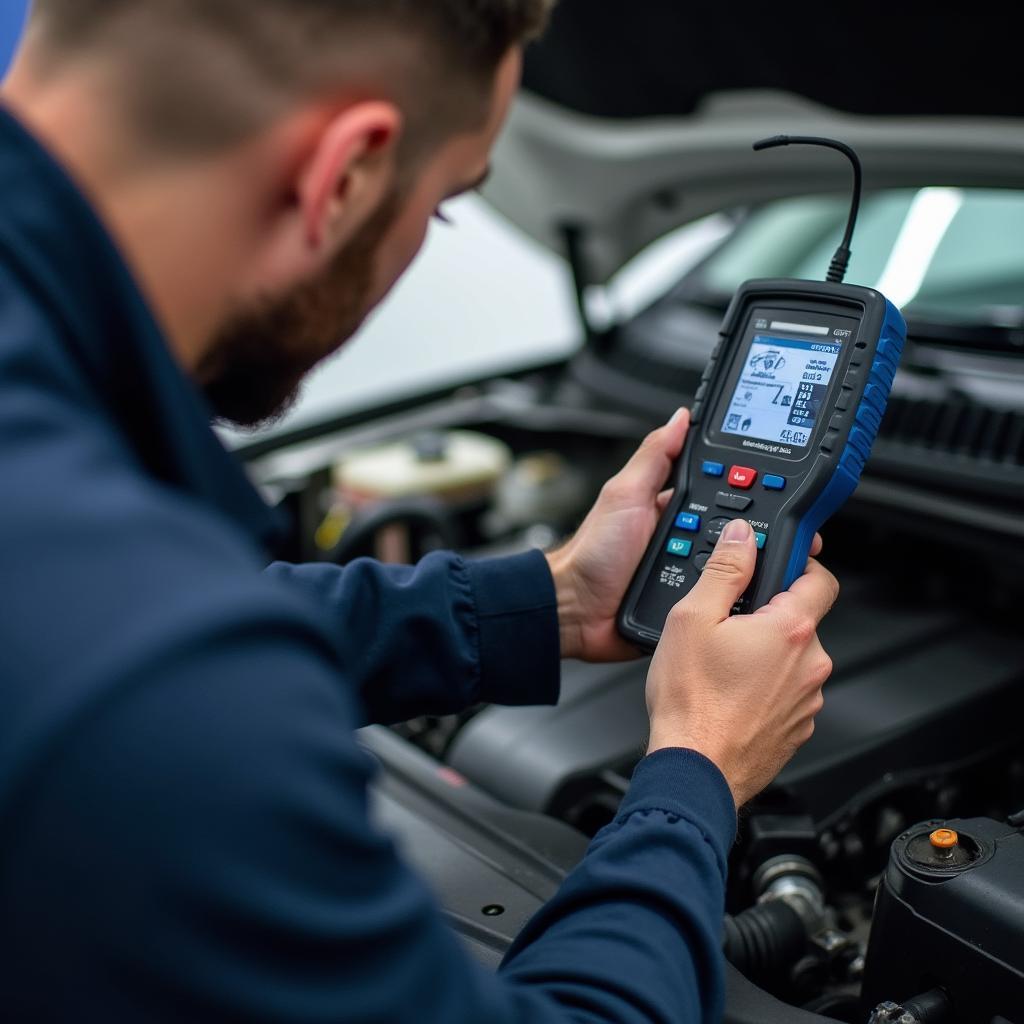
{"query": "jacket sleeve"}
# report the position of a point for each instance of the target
(200, 848)
(439, 637)
(188, 828)
(635, 933)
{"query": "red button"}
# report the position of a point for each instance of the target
(740, 476)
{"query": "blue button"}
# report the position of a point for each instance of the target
(688, 521)
(713, 469)
(774, 483)
(762, 539)
(679, 547)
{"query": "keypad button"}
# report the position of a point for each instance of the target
(742, 477)
(700, 563)
(733, 502)
(761, 538)
(715, 469)
(774, 483)
(715, 528)
(679, 547)
(688, 521)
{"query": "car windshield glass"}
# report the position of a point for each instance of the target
(945, 255)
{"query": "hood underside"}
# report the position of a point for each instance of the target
(639, 117)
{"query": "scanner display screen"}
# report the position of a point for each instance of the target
(781, 389)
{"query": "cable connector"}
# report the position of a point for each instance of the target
(841, 261)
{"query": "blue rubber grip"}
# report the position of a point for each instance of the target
(855, 455)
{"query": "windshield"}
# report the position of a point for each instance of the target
(944, 255)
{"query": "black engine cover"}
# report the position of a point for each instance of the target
(958, 927)
(913, 688)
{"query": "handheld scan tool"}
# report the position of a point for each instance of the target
(782, 425)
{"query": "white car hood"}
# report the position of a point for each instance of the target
(622, 184)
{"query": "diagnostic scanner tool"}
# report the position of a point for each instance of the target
(782, 426)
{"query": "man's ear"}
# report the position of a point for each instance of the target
(328, 170)
(348, 172)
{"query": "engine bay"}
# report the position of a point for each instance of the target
(922, 717)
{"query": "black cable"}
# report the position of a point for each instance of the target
(841, 261)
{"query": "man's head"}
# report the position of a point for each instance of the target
(319, 137)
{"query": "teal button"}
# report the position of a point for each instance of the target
(762, 539)
(680, 548)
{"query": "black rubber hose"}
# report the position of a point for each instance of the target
(931, 1008)
(765, 939)
(428, 516)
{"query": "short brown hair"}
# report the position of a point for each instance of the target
(204, 73)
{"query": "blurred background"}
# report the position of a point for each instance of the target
(12, 18)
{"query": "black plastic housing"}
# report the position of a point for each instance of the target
(957, 927)
(492, 867)
(819, 477)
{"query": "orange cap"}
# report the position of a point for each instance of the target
(944, 839)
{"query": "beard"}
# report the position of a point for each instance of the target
(253, 371)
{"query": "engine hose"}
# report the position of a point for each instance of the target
(929, 1008)
(765, 939)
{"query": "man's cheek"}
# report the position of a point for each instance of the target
(397, 255)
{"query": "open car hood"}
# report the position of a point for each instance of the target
(639, 118)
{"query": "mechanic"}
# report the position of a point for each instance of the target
(198, 200)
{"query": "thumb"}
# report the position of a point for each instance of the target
(727, 574)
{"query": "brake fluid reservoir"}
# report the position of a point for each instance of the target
(384, 495)
(457, 467)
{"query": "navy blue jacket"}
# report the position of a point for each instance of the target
(185, 834)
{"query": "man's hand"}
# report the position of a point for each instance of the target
(594, 569)
(742, 690)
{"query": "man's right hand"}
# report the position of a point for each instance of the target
(742, 690)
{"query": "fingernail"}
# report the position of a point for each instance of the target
(736, 532)
(679, 414)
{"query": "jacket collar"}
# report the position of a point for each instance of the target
(53, 240)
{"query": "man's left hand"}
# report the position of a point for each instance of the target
(594, 569)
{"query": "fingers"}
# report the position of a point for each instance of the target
(811, 597)
(645, 474)
(817, 546)
(664, 500)
(727, 574)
